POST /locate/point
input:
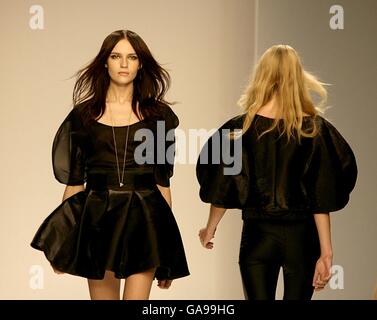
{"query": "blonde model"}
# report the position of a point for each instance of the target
(296, 169)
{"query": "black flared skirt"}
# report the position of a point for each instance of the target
(126, 230)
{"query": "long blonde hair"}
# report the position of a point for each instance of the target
(279, 73)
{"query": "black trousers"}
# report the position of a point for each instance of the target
(266, 246)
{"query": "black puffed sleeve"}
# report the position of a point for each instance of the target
(68, 156)
(165, 147)
(218, 185)
(332, 170)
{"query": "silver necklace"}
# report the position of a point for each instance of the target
(125, 148)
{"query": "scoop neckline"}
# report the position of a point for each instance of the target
(128, 125)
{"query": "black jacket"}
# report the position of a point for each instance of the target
(280, 179)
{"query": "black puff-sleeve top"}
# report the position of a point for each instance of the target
(78, 150)
(277, 178)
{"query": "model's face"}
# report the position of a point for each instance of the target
(123, 63)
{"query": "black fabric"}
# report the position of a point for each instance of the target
(268, 245)
(225, 191)
(165, 155)
(280, 178)
(68, 150)
(77, 149)
(125, 229)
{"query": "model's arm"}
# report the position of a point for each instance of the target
(322, 272)
(207, 233)
(71, 190)
(322, 221)
(165, 191)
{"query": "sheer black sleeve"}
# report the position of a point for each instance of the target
(165, 147)
(224, 181)
(68, 156)
(332, 171)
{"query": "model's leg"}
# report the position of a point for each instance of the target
(138, 285)
(105, 289)
(259, 260)
(259, 280)
(300, 256)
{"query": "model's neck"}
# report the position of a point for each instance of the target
(271, 107)
(120, 94)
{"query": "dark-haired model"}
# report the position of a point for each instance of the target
(119, 224)
(296, 169)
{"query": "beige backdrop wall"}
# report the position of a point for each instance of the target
(345, 58)
(206, 45)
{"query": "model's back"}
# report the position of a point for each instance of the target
(290, 179)
(281, 177)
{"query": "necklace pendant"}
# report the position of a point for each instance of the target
(121, 184)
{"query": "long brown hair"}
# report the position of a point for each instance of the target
(280, 73)
(150, 84)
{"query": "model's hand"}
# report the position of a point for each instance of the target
(56, 270)
(206, 235)
(164, 284)
(322, 273)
